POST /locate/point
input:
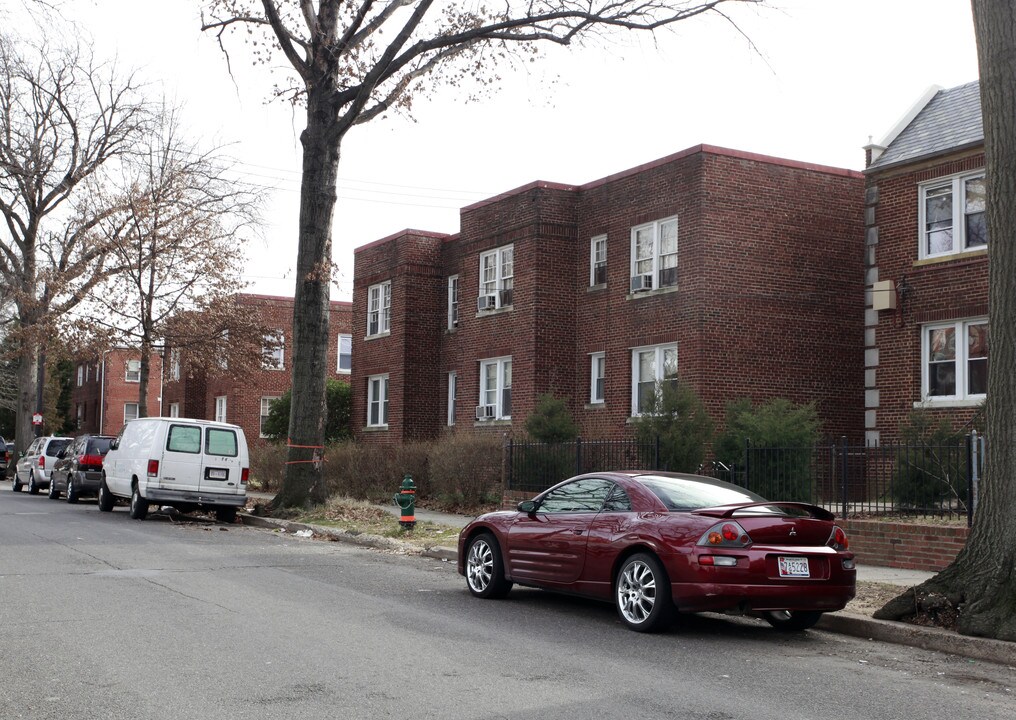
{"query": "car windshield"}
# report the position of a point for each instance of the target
(685, 494)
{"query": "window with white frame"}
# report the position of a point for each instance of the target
(497, 278)
(220, 408)
(174, 409)
(266, 407)
(598, 363)
(955, 360)
(453, 389)
(174, 364)
(377, 401)
(130, 411)
(88, 372)
(495, 389)
(453, 302)
(81, 375)
(345, 354)
(133, 373)
(650, 367)
(274, 351)
(80, 416)
(379, 308)
(598, 260)
(654, 255)
(952, 215)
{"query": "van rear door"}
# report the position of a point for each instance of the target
(181, 460)
(223, 461)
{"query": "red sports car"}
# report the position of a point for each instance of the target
(656, 542)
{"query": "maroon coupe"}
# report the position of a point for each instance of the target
(655, 542)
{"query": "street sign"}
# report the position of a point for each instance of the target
(37, 419)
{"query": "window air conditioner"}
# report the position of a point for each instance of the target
(486, 302)
(485, 412)
(641, 282)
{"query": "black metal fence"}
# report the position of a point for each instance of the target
(894, 479)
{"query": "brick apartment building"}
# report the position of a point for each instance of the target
(245, 401)
(926, 327)
(105, 390)
(740, 274)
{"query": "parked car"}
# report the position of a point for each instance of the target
(6, 453)
(33, 468)
(655, 542)
(183, 463)
(78, 469)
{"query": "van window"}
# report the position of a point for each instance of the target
(55, 446)
(221, 442)
(184, 438)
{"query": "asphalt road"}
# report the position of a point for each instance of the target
(105, 617)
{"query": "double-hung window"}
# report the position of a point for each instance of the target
(952, 216)
(597, 369)
(220, 408)
(598, 260)
(266, 408)
(650, 368)
(377, 401)
(379, 308)
(497, 278)
(274, 351)
(174, 410)
(130, 411)
(81, 375)
(174, 364)
(133, 373)
(345, 354)
(453, 391)
(495, 389)
(955, 361)
(654, 255)
(453, 302)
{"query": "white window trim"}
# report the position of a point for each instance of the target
(961, 399)
(635, 370)
(174, 364)
(501, 280)
(266, 406)
(137, 411)
(500, 387)
(453, 387)
(338, 354)
(128, 372)
(453, 302)
(382, 294)
(655, 227)
(174, 410)
(592, 257)
(277, 353)
(957, 183)
(382, 402)
(81, 375)
(221, 408)
(597, 358)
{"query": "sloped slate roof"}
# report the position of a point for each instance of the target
(950, 120)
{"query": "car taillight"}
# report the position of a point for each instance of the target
(838, 539)
(244, 476)
(90, 460)
(725, 534)
(42, 462)
(153, 468)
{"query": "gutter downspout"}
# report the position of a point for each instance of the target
(102, 395)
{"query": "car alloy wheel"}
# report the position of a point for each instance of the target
(485, 568)
(642, 593)
(792, 620)
(33, 489)
(72, 492)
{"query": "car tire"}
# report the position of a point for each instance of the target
(485, 576)
(226, 515)
(139, 506)
(642, 594)
(52, 493)
(33, 489)
(16, 484)
(792, 620)
(106, 499)
(72, 492)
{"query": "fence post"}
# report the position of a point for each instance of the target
(845, 469)
(971, 475)
(511, 447)
(747, 445)
(578, 456)
(656, 454)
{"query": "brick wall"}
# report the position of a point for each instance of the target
(910, 546)
(107, 390)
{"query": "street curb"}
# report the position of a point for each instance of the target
(927, 638)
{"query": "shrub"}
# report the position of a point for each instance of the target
(551, 422)
(373, 472)
(930, 464)
(338, 399)
(465, 471)
(676, 415)
(267, 467)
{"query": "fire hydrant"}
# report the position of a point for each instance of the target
(406, 500)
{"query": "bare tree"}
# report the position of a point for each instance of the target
(65, 122)
(179, 239)
(357, 59)
(981, 583)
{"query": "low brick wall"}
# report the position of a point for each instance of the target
(909, 546)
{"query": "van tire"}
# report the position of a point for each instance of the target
(139, 506)
(16, 487)
(106, 500)
(33, 489)
(72, 491)
(225, 515)
(52, 493)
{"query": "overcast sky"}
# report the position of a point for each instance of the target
(826, 75)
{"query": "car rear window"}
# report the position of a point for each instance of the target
(55, 446)
(221, 442)
(98, 446)
(184, 438)
(685, 494)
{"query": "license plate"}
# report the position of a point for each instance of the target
(794, 566)
(217, 473)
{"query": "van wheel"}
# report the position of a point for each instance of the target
(226, 515)
(33, 489)
(139, 506)
(53, 493)
(72, 492)
(16, 487)
(106, 500)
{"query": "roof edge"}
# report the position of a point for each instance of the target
(401, 233)
(908, 117)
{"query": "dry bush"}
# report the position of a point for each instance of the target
(374, 472)
(465, 471)
(267, 467)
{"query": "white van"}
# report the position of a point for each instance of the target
(186, 464)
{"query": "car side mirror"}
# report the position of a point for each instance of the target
(114, 444)
(528, 506)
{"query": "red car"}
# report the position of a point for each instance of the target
(655, 542)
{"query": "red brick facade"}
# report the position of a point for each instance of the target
(904, 545)
(768, 302)
(100, 398)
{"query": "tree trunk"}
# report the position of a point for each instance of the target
(981, 583)
(28, 379)
(303, 480)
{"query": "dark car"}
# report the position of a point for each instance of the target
(6, 454)
(78, 470)
(655, 542)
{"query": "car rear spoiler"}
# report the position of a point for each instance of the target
(727, 511)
